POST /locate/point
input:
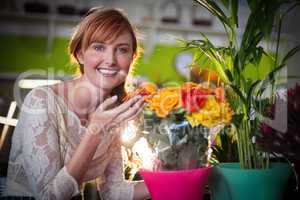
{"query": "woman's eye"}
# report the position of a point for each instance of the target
(99, 47)
(123, 50)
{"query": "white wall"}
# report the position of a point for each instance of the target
(291, 26)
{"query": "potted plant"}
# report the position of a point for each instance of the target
(246, 94)
(178, 120)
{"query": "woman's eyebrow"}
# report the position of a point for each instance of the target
(121, 44)
(98, 42)
(118, 44)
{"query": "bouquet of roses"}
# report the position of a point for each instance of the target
(178, 119)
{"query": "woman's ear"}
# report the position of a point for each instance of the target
(79, 56)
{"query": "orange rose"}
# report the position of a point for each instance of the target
(164, 101)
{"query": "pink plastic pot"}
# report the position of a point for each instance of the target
(176, 185)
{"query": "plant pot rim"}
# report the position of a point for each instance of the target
(176, 171)
(236, 166)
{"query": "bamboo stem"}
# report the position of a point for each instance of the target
(247, 145)
(240, 150)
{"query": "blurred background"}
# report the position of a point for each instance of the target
(34, 35)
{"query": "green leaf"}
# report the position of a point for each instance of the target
(214, 9)
(236, 65)
(270, 78)
(229, 75)
(237, 119)
(293, 77)
(252, 4)
(251, 91)
(291, 53)
(239, 93)
(234, 11)
(251, 48)
(215, 57)
(260, 105)
(197, 56)
(258, 55)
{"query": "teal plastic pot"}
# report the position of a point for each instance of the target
(230, 182)
(218, 186)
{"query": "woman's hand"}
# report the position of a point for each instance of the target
(107, 117)
(104, 119)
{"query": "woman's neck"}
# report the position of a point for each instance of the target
(82, 96)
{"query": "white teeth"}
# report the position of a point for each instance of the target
(107, 72)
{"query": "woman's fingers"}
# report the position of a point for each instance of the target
(126, 105)
(136, 114)
(112, 118)
(107, 103)
(132, 112)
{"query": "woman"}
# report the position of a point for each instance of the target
(69, 133)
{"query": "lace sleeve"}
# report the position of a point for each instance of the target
(45, 173)
(115, 186)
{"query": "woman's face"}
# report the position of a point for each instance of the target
(106, 64)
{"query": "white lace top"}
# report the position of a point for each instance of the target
(45, 139)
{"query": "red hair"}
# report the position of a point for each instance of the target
(100, 25)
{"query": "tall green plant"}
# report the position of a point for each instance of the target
(230, 61)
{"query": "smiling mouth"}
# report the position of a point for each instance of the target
(107, 72)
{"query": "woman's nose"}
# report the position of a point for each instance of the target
(110, 57)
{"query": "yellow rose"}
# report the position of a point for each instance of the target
(211, 114)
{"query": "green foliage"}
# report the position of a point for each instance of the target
(224, 148)
(235, 61)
